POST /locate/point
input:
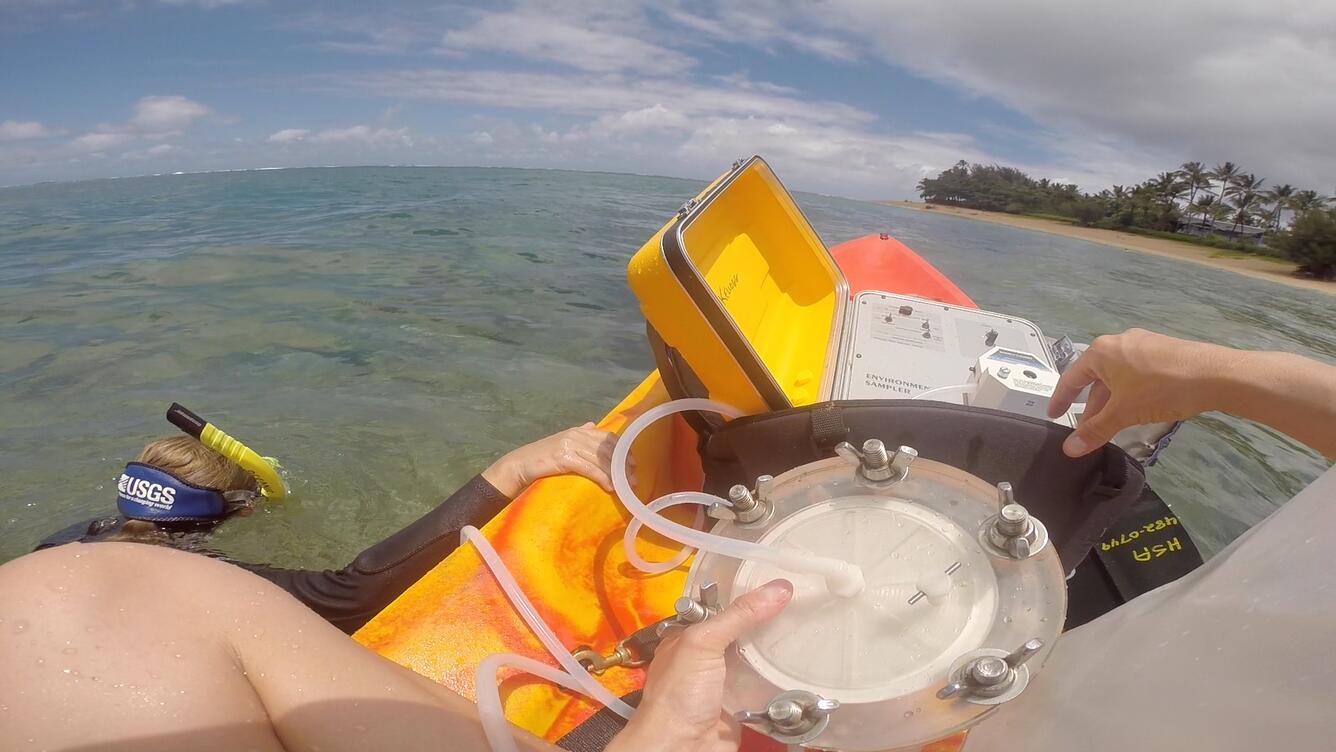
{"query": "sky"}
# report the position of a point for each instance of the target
(858, 98)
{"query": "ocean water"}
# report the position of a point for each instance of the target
(387, 332)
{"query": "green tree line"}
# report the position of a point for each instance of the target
(1294, 224)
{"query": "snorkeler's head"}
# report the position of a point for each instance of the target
(178, 479)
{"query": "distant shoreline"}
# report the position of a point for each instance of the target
(1251, 267)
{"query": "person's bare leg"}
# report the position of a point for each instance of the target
(126, 645)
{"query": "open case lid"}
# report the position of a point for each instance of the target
(741, 285)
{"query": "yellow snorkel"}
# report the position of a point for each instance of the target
(265, 469)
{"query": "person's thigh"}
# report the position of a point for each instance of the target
(114, 644)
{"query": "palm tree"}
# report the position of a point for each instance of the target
(1279, 198)
(1304, 201)
(1248, 183)
(1194, 175)
(1167, 186)
(1207, 205)
(1243, 205)
(1225, 173)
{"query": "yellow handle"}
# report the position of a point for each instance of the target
(271, 484)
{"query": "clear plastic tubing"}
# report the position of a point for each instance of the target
(500, 734)
(633, 530)
(842, 578)
(588, 685)
(941, 393)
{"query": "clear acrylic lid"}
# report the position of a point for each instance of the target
(884, 659)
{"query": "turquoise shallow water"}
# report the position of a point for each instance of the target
(388, 331)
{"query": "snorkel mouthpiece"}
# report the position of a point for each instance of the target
(263, 468)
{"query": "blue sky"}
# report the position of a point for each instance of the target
(844, 97)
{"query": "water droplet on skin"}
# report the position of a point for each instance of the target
(69, 651)
(20, 626)
(1006, 620)
(909, 714)
(40, 661)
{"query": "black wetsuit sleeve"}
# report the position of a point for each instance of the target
(349, 597)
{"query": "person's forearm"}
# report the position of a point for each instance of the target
(350, 596)
(1290, 393)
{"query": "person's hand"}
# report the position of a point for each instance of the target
(682, 707)
(583, 450)
(1138, 377)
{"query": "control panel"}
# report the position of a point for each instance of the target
(900, 346)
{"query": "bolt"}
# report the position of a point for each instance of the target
(786, 714)
(741, 497)
(1003, 372)
(1013, 521)
(688, 610)
(989, 671)
(874, 454)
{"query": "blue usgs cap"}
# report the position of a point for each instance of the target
(145, 492)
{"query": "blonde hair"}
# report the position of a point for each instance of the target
(188, 459)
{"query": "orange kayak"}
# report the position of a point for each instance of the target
(562, 539)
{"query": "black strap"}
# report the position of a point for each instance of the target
(594, 734)
(681, 382)
(828, 427)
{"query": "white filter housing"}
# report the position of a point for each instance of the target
(938, 593)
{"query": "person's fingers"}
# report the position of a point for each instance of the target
(583, 466)
(1099, 397)
(745, 613)
(1094, 431)
(1078, 376)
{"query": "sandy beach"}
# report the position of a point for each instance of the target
(1252, 267)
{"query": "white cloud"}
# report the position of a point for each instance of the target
(101, 141)
(15, 130)
(583, 94)
(165, 114)
(1238, 80)
(548, 37)
(357, 134)
(363, 134)
(288, 135)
